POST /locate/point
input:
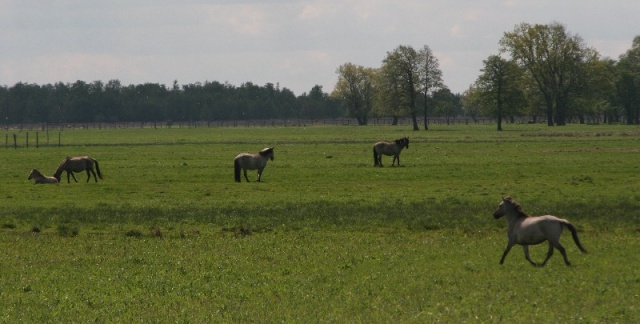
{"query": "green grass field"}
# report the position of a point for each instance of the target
(168, 236)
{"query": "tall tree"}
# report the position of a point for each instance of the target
(430, 78)
(355, 88)
(628, 83)
(404, 64)
(498, 87)
(554, 59)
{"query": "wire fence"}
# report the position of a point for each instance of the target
(50, 134)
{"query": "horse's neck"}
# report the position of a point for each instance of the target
(517, 217)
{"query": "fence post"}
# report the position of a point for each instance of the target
(15, 141)
(37, 139)
(27, 139)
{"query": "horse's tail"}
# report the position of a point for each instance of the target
(97, 168)
(236, 170)
(375, 156)
(574, 234)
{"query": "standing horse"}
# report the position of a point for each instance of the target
(389, 148)
(41, 178)
(248, 161)
(78, 164)
(527, 230)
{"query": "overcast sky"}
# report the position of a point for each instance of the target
(296, 44)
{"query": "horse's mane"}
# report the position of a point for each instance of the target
(402, 140)
(37, 172)
(517, 206)
(266, 151)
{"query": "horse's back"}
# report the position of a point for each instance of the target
(387, 148)
(542, 226)
(248, 161)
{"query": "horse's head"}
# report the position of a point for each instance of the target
(508, 206)
(34, 173)
(500, 210)
(267, 153)
(403, 142)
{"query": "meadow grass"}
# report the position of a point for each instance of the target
(169, 236)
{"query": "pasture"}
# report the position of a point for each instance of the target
(169, 236)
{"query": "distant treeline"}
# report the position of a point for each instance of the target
(97, 102)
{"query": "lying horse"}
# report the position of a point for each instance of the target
(78, 164)
(41, 178)
(389, 148)
(527, 230)
(248, 161)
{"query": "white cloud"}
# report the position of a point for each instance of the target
(294, 42)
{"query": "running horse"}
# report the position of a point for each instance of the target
(248, 161)
(40, 178)
(389, 148)
(78, 164)
(528, 230)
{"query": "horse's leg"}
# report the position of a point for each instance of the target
(245, 174)
(70, 173)
(259, 173)
(549, 254)
(506, 251)
(89, 176)
(526, 255)
(562, 250)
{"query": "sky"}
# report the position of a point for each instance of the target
(292, 43)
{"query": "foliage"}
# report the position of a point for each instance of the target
(499, 88)
(628, 82)
(556, 60)
(356, 88)
(402, 69)
(430, 79)
(82, 102)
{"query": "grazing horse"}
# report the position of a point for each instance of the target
(389, 148)
(527, 230)
(248, 161)
(78, 164)
(41, 178)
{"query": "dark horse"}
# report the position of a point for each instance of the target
(248, 161)
(389, 148)
(528, 230)
(78, 164)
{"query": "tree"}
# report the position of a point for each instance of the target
(598, 91)
(628, 83)
(355, 88)
(554, 59)
(403, 66)
(498, 87)
(391, 99)
(430, 78)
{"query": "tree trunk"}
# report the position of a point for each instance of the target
(415, 121)
(426, 119)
